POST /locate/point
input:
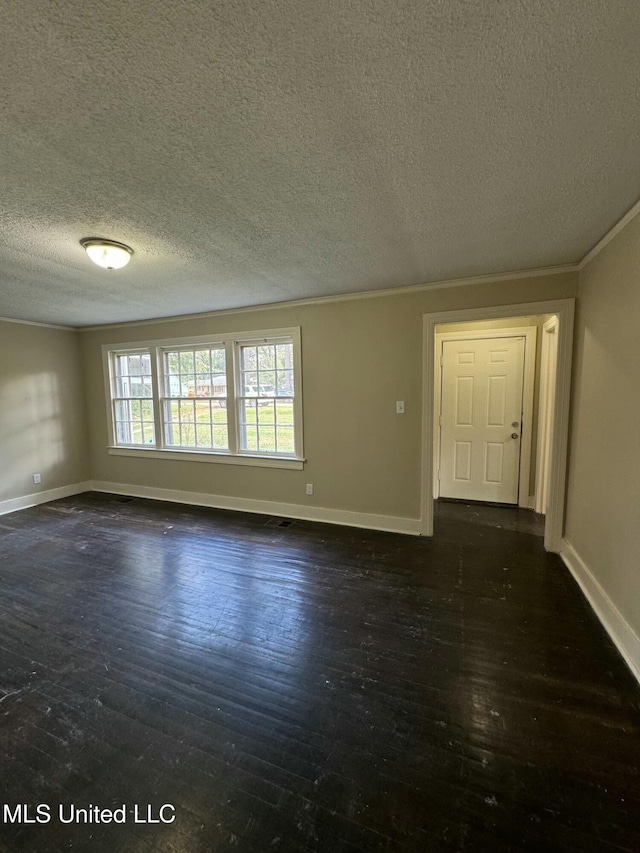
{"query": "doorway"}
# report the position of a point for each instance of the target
(563, 309)
(484, 413)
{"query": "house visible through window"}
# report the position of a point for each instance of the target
(195, 398)
(237, 397)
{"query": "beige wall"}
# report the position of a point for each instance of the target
(42, 411)
(359, 356)
(603, 502)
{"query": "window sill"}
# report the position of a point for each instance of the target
(204, 456)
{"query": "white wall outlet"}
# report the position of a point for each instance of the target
(399, 407)
(37, 478)
(309, 488)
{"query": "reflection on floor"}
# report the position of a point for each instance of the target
(489, 515)
(308, 688)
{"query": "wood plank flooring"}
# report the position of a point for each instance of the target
(308, 688)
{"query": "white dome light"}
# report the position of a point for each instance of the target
(107, 253)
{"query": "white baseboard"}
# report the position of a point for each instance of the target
(624, 637)
(347, 518)
(26, 501)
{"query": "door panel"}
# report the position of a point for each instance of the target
(482, 382)
(464, 400)
(494, 459)
(497, 401)
(462, 460)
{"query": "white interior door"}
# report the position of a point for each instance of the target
(481, 418)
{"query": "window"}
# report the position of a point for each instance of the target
(194, 402)
(131, 392)
(266, 397)
(232, 400)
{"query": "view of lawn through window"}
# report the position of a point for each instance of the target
(195, 398)
(266, 423)
(196, 385)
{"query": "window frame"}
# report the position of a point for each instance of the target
(113, 399)
(164, 398)
(232, 343)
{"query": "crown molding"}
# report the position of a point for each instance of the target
(346, 297)
(42, 325)
(617, 228)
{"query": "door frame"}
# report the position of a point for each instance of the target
(564, 309)
(529, 333)
(548, 359)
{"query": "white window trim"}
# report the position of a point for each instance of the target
(231, 343)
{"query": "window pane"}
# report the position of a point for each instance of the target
(203, 361)
(121, 410)
(218, 361)
(174, 386)
(175, 382)
(266, 411)
(250, 384)
(248, 358)
(285, 439)
(203, 435)
(284, 383)
(139, 386)
(249, 438)
(187, 362)
(266, 439)
(220, 437)
(123, 433)
(284, 356)
(203, 411)
(268, 382)
(266, 357)
(186, 411)
(248, 412)
(172, 433)
(187, 435)
(284, 412)
(219, 388)
(148, 433)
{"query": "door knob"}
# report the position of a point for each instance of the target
(514, 435)
(516, 423)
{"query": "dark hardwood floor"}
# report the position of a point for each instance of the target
(306, 688)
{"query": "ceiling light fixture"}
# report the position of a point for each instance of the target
(107, 253)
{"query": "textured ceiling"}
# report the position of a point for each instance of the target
(255, 152)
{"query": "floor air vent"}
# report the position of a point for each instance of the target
(278, 522)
